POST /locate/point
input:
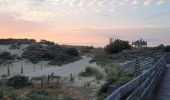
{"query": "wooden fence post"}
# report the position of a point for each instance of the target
(52, 75)
(32, 84)
(34, 67)
(71, 79)
(21, 68)
(58, 80)
(42, 83)
(137, 67)
(41, 65)
(48, 79)
(8, 70)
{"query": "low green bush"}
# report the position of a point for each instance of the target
(39, 92)
(13, 94)
(91, 71)
(42, 94)
(1, 92)
(123, 80)
(32, 95)
(17, 81)
(113, 78)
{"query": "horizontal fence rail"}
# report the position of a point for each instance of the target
(140, 63)
(141, 87)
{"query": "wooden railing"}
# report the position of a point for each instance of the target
(142, 63)
(141, 87)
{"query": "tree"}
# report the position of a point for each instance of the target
(117, 46)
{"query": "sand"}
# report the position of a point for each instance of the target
(43, 69)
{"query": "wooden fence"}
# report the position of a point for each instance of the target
(140, 64)
(141, 87)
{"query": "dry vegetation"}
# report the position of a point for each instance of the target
(108, 58)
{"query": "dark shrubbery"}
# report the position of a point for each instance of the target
(115, 79)
(55, 54)
(91, 71)
(39, 92)
(117, 46)
(86, 49)
(167, 49)
(6, 56)
(44, 95)
(17, 81)
(14, 46)
(1, 92)
(72, 51)
(47, 42)
(2, 87)
(33, 53)
(18, 41)
(8, 92)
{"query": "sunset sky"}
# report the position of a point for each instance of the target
(86, 22)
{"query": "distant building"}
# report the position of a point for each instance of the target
(140, 43)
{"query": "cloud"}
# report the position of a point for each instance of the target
(57, 10)
(158, 15)
(160, 2)
(147, 2)
(135, 2)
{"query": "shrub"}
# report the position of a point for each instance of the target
(13, 95)
(67, 98)
(33, 53)
(6, 56)
(86, 49)
(91, 71)
(17, 81)
(47, 42)
(14, 46)
(1, 92)
(17, 41)
(55, 54)
(3, 81)
(72, 51)
(44, 95)
(22, 98)
(167, 49)
(117, 79)
(123, 80)
(39, 92)
(117, 46)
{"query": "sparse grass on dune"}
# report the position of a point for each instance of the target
(91, 71)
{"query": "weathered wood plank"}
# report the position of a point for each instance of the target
(141, 87)
(163, 93)
(144, 63)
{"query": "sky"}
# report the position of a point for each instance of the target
(86, 22)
